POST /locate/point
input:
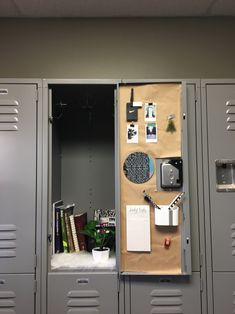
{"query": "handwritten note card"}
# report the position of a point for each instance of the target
(138, 228)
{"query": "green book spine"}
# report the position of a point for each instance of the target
(63, 230)
(68, 230)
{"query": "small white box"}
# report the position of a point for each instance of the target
(165, 216)
(137, 104)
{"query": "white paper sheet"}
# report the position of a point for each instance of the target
(138, 228)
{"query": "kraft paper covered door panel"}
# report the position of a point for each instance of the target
(151, 178)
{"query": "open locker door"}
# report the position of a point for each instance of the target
(153, 172)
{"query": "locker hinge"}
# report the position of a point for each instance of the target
(35, 286)
(115, 98)
(37, 94)
(201, 284)
(49, 238)
(118, 284)
(35, 261)
(201, 260)
(197, 95)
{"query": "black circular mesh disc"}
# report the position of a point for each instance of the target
(138, 167)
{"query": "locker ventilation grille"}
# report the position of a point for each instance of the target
(230, 112)
(8, 115)
(233, 239)
(83, 302)
(7, 302)
(166, 302)
(7, 241)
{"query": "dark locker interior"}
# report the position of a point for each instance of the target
(83, 146)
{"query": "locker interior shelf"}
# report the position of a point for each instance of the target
(82, 261)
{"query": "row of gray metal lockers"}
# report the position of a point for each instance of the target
(62, 143)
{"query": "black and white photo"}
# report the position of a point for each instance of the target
(150, 111)
(132, 133)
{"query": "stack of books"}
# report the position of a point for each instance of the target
(66, 229)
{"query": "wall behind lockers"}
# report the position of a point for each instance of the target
(118, 48)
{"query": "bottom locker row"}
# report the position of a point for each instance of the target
(98, 293)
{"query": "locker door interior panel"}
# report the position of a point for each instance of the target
(221, 150)
(166, 295)
(14, 299)
(17, 178)
(82, 293)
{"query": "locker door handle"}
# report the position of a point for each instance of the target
(82, 281)
(166, 280)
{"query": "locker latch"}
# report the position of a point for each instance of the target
(49, 237)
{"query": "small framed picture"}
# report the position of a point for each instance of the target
(151, 132)
(150, 111)
(132, 133)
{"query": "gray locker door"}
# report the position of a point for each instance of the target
(221, 146)
(175, 295)
(16, 294)
(83, 293)
(224, 293)
(17, 177)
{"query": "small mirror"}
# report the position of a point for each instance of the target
(138, 167)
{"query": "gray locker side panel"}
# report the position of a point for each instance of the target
(192, 153)
(82, 293)
(220, 146)
(175, 295)
(17, 178)
(16, 294)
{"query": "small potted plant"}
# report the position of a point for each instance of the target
(102, 235)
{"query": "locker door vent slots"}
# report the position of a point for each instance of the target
(166, 301)
(7, 241)
(233, 240)
(230, 112)
(83, 302)
(233, 301)
(8, 115)
(7, 302)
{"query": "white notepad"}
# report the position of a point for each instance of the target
(138, 228)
